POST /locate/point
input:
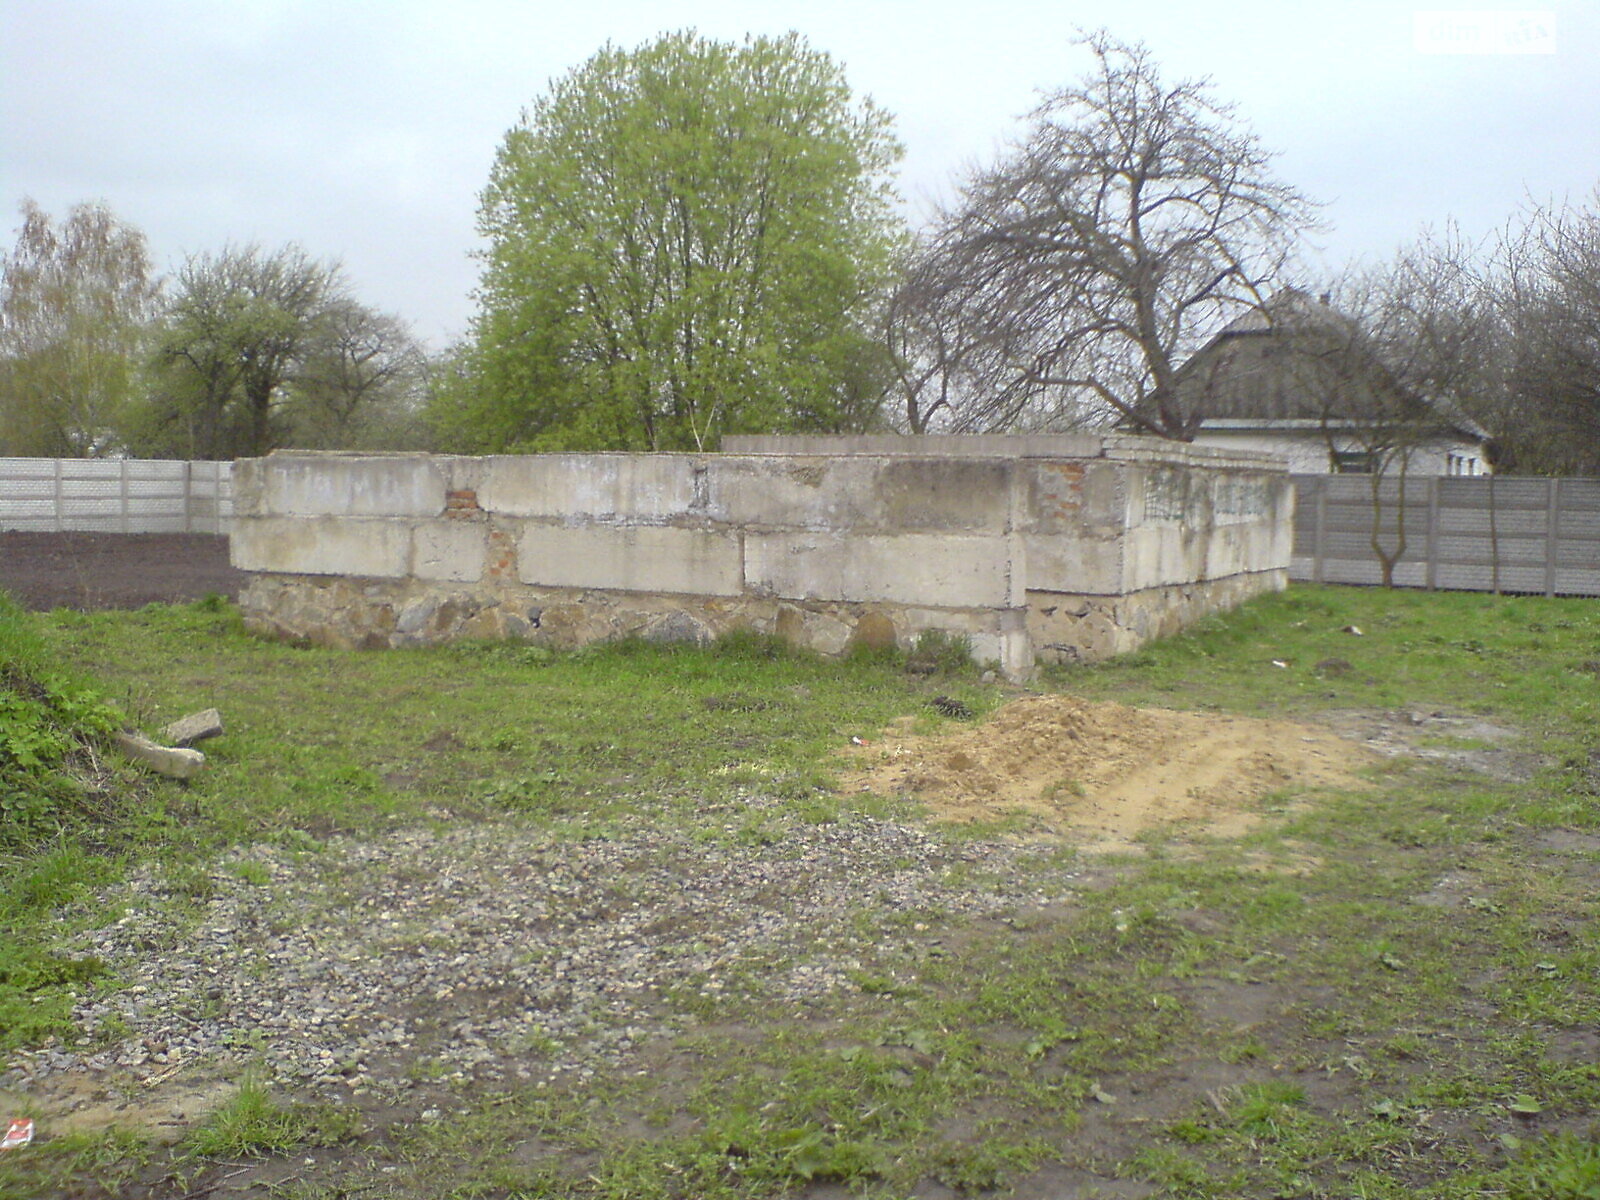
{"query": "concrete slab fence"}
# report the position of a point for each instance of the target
(115, 495)
(1467, 533)
(1033, 548)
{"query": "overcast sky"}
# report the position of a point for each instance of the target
(364, 129)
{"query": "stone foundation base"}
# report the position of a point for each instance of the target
(383, 613)
(1069, 628)
(1056, 627)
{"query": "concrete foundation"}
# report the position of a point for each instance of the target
(1037, 549)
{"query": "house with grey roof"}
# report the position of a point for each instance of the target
(1296, 378)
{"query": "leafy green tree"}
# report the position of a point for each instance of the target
(239, 325)
(76, 301)
(684, 241)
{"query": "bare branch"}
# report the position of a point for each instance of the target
(1133, 222)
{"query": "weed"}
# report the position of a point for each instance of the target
(1562, 1166)
(1264, 1107)
(938, 652)
(253, 873)
(50, 724)
(987, 1165)
(76, 1164)
(251, 1123)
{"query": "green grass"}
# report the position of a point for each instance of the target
(252, 1123)
(50, 725)
(57, 797)
(1396, 1004)
(319, 742)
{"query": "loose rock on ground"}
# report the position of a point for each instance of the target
(502, 952)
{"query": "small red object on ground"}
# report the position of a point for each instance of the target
(19, 1133)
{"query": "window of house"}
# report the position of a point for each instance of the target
(1352, 462)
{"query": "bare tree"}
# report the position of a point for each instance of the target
(1133, 222)
(944, 376)
(1549, 295)
(1388, 361)
(363, 374)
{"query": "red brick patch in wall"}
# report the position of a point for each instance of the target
(462, 504)
(500, 560)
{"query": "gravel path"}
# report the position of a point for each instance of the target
(499, 952)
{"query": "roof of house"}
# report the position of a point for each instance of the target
(1295, 364)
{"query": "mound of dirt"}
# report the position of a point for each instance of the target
(1104, 772)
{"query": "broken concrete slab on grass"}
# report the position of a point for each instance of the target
(196, 727)
(175, 762)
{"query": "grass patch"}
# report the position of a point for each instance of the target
(60, 801)
(1387, 992)
(51, 724)
(253, 1123)
(322, 742)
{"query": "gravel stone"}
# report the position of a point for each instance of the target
(502, 951)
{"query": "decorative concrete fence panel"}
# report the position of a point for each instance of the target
(115, 495)
(1471, 533)
(1054, 548)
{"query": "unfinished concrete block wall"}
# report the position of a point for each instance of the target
(1033, 548)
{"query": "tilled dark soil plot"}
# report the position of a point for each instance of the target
(90, 571)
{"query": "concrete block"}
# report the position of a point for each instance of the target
(1076, 497)
(1159, 555)
(640, 558)
(791, 492)
(946, 445)
(302, 483)
(321, 546)
(249, 486)
(932, 569)
(1010, 645)
(649, 487)
(173, 762)
(450, 551)
(1059, 563)
(859, 492)
(1134, 449)
(196, 727)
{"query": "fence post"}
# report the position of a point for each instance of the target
(1552, 529)
(122, 494)
(1432, 551)
(1318, 544)
(188, 496)
(60, 499)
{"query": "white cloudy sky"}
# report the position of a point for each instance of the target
(364, 129)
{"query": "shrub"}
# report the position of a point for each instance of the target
(49, 725)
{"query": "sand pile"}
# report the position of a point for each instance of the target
(1104, 772)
